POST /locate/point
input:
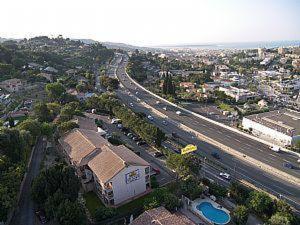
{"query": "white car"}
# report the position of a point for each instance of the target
(178, 113)
(131, 104)
(164, 122)
(150, 117)
(225, 176)
(275, 148)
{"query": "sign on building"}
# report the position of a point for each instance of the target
(132, 176)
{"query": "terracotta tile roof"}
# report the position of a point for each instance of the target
(79, 143)
(111, 160)
(105, 160)
(161, 216)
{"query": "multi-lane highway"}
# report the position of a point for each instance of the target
(131, 93)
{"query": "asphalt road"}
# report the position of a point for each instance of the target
(130, 93)
(25, 214)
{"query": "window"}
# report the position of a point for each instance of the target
(147, 170)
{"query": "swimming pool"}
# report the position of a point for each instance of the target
(215, 215)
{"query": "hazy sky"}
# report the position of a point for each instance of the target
(153, 22)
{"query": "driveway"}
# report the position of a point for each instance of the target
(25, 213)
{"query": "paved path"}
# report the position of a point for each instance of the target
(25, 213)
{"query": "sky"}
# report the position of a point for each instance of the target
(153, 22)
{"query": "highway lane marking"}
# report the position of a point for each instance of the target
(238, 140)
(282, 189)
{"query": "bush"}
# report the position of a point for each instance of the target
(154, 183)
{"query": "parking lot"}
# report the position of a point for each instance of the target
(210, 111)
(162, 173)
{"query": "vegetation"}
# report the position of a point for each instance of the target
(57, 189)
(240, 215)
(109, 83)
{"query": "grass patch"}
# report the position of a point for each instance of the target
(92, 202)
(134, 205)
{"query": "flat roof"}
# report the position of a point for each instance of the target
(285, 121)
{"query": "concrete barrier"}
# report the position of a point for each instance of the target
(210, 120)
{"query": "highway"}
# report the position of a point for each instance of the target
(130, 93)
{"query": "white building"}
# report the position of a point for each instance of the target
(115, 173)
(282, 126)
(239, 94)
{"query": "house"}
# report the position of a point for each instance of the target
(50, 69)
(12, 85)
(161, 216)
(47, 76)
(187, 85)
(115, 173)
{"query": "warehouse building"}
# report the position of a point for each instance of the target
(280, 126)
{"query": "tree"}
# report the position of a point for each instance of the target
(103, 213)
(279, 219)
(11, 122)
(108, 82)
(240, 215)
(67, 126)
(50, 180)
(151, 203)
(191, 188)
(70, 213)
(33, 126)
(42, 112)
(238, 192)
(47, 129)
(55, 91)
(171, 202)
(217, 190)
(260, 203)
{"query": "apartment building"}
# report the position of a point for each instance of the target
(115, 173)
(239, 94)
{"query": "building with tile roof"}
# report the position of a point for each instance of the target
(115, 173)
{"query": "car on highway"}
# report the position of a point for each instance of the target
(150, 117)
(275, 148)
(157, 102)
(131, 104)
(215, 155)
(226, 176)
(136, 92)
(288, 165)
(158, 154)
(164, 122)
(41, 216)
(178, 113)
(165, 108)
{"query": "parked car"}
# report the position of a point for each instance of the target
(215, 155)
(131, 104)
(156, 171)
(158, 154)
(288, 165)
(120, 126)
(150, 117)
(41, 216)
(226, 176)
(141, 143)
(115, 121)
(130, 135)
(135, 138)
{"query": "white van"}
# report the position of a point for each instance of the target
(275, 148)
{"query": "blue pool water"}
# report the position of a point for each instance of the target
(217, 216)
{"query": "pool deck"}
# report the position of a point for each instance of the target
(198, 201)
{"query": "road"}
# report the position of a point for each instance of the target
(25, 214)
(130, 93)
